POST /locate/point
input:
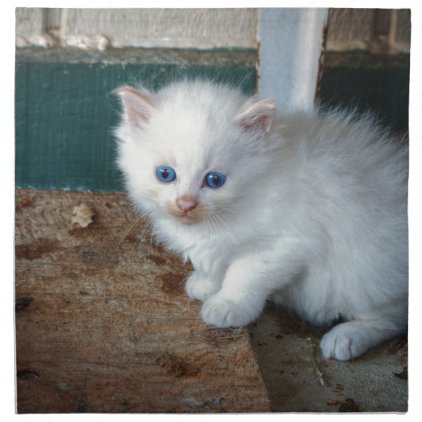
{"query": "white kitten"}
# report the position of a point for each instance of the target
(307, 209)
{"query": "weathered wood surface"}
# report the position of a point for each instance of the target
(103, 325)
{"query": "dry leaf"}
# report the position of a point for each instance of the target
(83, 215)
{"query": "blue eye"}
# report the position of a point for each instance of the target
(214, 180)
(165, 174)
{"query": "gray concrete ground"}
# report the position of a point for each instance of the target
(298, 379)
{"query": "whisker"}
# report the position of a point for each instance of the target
(127, 231)
(145, 230)
(226, 226)
(212, 226)
(152, 243)
(227, 207)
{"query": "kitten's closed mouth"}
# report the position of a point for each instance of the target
(190, 217)
(187, 219)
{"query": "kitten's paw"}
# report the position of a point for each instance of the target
(344, 342)
(223, 313)
(199, 288)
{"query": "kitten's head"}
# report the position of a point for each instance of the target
(190, 151)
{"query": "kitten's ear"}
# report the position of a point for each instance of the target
(257, 116)
(137, 106)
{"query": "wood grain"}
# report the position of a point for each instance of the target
(103, 324)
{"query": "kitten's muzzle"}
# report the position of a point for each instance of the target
(187, 209)
(186, 203)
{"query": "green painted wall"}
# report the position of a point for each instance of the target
(65, 111)
(370, 82)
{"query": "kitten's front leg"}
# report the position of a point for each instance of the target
(248, 282)
(199, 287)
(206, 279)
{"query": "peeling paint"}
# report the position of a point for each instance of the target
(87, 42)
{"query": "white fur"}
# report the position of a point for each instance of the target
(312, 214)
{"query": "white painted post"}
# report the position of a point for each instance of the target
(291, 42)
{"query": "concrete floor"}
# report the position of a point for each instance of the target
(299, 380)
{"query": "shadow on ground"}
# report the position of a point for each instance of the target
(298, 379)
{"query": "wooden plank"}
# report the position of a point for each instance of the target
(103, 324)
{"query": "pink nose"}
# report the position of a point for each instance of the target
(186, 203)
